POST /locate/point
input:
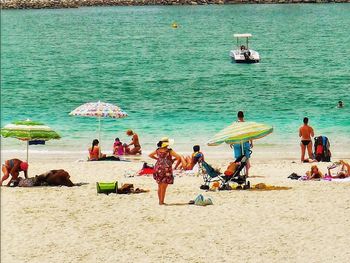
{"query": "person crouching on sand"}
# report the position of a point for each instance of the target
(163, 171)
(13, 167)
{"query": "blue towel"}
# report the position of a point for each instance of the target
(36, 142)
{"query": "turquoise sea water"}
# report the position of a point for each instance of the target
(177, 82)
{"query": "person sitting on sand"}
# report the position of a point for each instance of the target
(188, 162)
(95, 152)
(118, 148)
(314, 173)
(135, 142)
(344, 170)
(13, 167)
(306, 132)
(163, 171)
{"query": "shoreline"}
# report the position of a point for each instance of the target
(58, 4)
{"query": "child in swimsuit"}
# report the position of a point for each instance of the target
(118, 148)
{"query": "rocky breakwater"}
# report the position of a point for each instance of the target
(38, 4)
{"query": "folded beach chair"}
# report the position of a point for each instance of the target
(210, 175)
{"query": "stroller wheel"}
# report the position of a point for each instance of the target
(246, 186)
(204, 187)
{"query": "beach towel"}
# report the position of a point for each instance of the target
(146, 170)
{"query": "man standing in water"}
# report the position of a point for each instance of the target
(306, 132)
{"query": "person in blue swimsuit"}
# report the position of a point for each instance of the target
(13, 167)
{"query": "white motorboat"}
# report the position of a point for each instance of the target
(242, 53)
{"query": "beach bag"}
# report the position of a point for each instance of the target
(107, 188)
(202, 201)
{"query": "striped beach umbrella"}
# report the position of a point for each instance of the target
(99, 110)
(240, 132)
(29, 130)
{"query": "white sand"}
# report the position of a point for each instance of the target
(309, 223)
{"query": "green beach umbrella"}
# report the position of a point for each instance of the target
(29, 130)
(240, 132)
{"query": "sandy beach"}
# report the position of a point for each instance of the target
(308, 223)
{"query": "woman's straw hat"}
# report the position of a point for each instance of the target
(166, 142)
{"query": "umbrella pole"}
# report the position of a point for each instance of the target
(27, 150)
(99, 129)
(99, 135)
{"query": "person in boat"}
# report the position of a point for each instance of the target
(135, 142)
(306, 132)
(13, 167)
(243, 47)
(95, 151)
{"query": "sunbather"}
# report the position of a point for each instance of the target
(95, 152)
(135, 142)
(188, 162)
(314, 173)
(51, 178)
(344, 170)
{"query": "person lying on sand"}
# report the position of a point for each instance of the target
(344, 170)
(314, 173)
(13, 167)
(188, 162)
(51, 178)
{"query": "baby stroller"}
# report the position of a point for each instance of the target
(321, 149)
(210, 175)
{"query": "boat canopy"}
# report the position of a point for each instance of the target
(242, 35)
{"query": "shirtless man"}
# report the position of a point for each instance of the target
(306, 132)
(13, 167)
(135, 142)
